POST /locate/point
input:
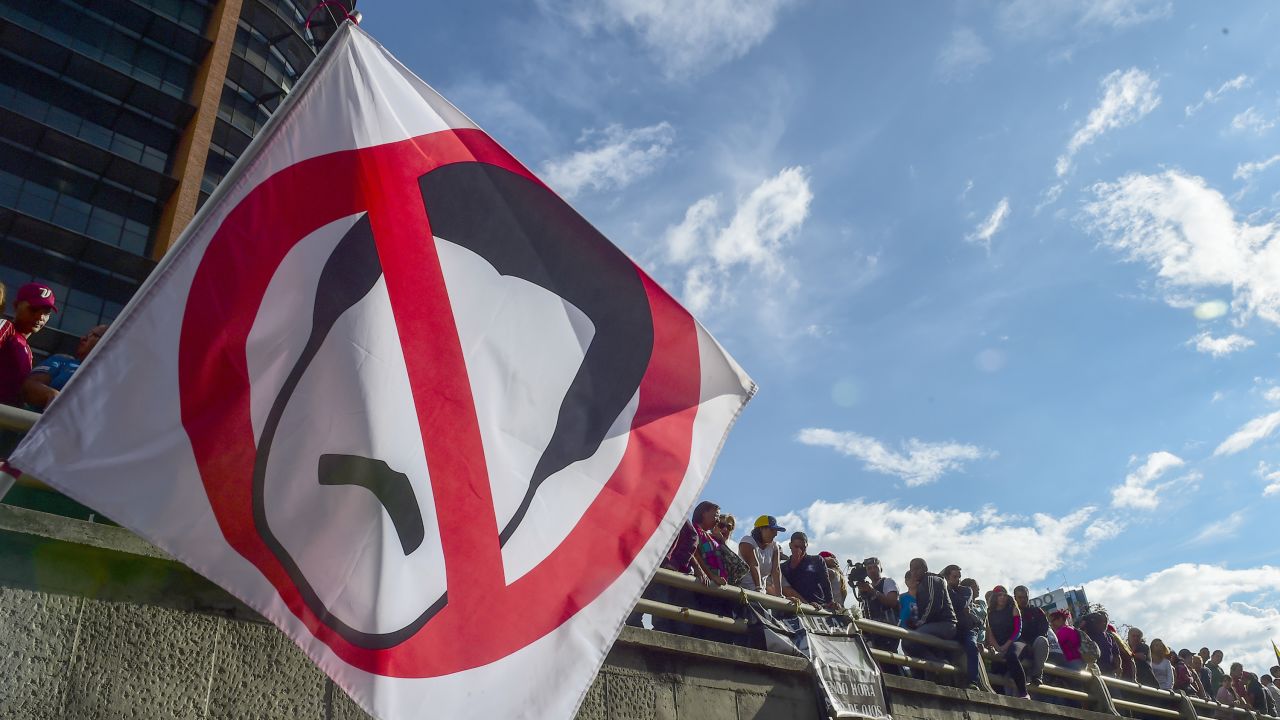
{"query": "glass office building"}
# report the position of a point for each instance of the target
(117, 119)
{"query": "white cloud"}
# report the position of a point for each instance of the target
(1137, 491)
(1238, 82)
(1252, 121)
(1272, 395)
(1251, 432)
(1035, 17)
(1188, 233)
(988, 546)
(987, 229)
(617, 157)
(1101, 530)
(1220, 347)
(1271, 477)
(1220, 529)
(687, 240)
(962, 54)
(687, 39)
(1193, 606)
(920, 462)
(762, 224)
(1127, 97)
(1244, 171)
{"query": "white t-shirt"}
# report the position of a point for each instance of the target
(1163, 671)
(765, 557)
(877, 611)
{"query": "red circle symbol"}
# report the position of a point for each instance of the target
(485, 619)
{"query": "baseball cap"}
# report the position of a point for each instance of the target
(37, 295)
(769, 521)
(826, 554)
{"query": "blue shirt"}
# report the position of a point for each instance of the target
(59, 368)
(906, 606)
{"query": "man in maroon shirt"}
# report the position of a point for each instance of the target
(32, 306)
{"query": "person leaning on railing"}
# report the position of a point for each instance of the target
(1253, 691)
(804, 576)
(760, 551)
(1094, 624)
(683, 558)
(1004, 625)
(1238, 685)
(1034, 649)
(1184, 676)
(735, 568)
(1273, 692)
(1068, 639)
(880, 602)
(937, 617)
(968, 624)
(1161, 667)
(839, 588)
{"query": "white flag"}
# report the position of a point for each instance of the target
(399, 398)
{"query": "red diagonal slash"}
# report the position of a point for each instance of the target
(441, 388)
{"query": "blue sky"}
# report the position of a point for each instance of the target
(1007, 274)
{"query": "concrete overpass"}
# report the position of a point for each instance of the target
(96, 623)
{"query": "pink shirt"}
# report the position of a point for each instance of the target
(1069, 639)
(15, 363)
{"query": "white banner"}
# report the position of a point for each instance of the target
(398, 397)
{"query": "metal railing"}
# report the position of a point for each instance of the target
(17, 419)
(1096, 695)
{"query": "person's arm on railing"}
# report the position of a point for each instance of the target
(36, 391)
(794, 595)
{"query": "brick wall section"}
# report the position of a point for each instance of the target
(193, 147)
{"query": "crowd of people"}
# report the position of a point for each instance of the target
(945, 605)
(23, 381)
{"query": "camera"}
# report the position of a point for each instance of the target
(857, 572)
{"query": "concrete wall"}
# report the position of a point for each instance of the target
(95, 623)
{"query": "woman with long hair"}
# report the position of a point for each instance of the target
(1004, 625)
(1160, 665)
(735, 568)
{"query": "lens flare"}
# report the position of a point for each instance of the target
(1211, 309)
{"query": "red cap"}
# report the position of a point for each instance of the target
(37, 295)
(826, 554)
(999, 589)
